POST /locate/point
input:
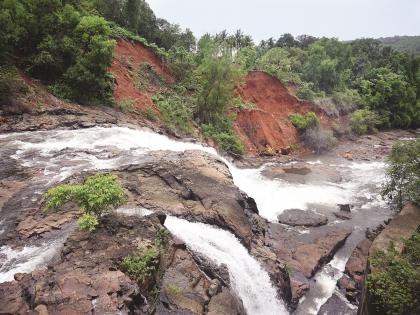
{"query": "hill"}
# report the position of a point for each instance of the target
(410, 44)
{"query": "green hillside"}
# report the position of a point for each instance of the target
(410, 44)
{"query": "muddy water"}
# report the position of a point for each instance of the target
(55, 155)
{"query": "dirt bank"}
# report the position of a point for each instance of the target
(126, 66)
(267, 127)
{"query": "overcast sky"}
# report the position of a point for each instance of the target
(345, 19)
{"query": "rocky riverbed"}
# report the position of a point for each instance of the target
(48, 266)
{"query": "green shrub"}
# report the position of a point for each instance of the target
(175, 112)
(120, 32)
(148, 75)
(394, 286)
(173, 290)
(304, 122)
(224, 136)
(126, 105)
(305, 91)
(99, 194)
(403, 173)
(364, 121)
(162, 237)
(149, 113)
(141, 265)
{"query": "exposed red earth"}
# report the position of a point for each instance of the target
(267, 127)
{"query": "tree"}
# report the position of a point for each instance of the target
(218, 77)
(391, 95)
(286, 40)
(98, 195)
(278, 62)
(87, 77)
(403, 173)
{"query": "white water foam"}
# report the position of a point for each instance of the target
(272, 196)
(27, 259)
(247, 277)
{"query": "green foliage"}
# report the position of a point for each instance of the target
(175, 111)
(149, 113)
(148, 76)
(217, 77)
(141, 265)
(60, 43)
(408, 44)
(394, 286)
(390, 94)
(305, 91)
(12, 86)
(99, 194)
(126, 105)
(364, 121)
(173, 290)
(181, 62)
(403, 173)
(88, 222)
(223, 134)
(162, 237)
(304, 122)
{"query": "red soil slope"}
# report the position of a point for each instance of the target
(267, 128)
(126, 55)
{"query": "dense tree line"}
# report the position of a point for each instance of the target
(346, 75)
(139, 18)
(68, 44)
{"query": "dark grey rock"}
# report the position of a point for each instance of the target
(297, 217)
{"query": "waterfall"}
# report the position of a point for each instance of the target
(248, 279)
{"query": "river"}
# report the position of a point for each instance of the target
(58, 154)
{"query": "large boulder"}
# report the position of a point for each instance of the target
(297, 217)
(306, 253)
(192, 185)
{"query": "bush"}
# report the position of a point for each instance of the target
(148, 75)
(224, 136)
(141, 265)
(319, 139)
(126, 105)
(394, 287)
(149, 113)
(403, 173)
(175, 113)
(99, 194)
(364, 121)
(310, 120)
(305, 91)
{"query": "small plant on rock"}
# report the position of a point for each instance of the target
(98, 195)
(142, 264)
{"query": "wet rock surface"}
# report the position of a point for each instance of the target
(336, 305)
(191, 185)
(297, 217)
(306, 253)
(303, 173)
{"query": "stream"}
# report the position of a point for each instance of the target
(58, 154)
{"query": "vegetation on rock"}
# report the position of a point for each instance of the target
(98, 195)
(394, 285)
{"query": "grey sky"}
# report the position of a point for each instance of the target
(345, 19)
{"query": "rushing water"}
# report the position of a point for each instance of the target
(61, 153)
(247, 277)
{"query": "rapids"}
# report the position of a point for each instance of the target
(61, 153)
